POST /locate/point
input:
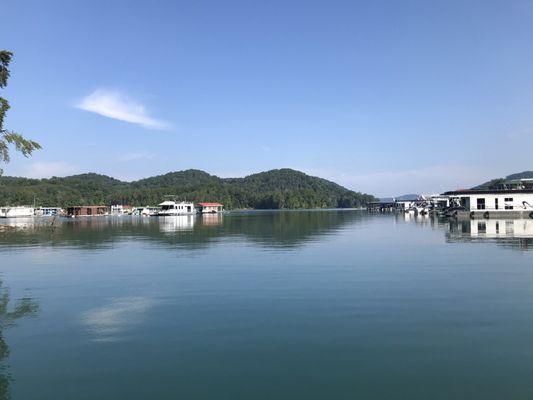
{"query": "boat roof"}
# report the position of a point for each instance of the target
(207, 204)
(171, 203)
(481, 191)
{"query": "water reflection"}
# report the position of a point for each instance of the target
(271, 229)
(516, 233)
(177, 223)
(513, 233)
(8, 317)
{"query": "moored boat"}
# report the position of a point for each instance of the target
(16, 212)
(170, 208)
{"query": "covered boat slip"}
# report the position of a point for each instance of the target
(517, 203)
(87, 211)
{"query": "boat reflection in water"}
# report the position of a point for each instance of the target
(177, 223)
(271, 229)
(22, 223)
(516, 233)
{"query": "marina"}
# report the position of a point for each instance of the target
(506, 200)
(167, 208)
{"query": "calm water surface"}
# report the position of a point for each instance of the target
(267, 305)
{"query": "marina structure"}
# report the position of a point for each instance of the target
(382, 205)
(210, 208)
(119, 209)
(146, 211)
(495, 203)
(48, 211)
(87, 211)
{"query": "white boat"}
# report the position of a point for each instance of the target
(16, 212)
(150, 211)
(170, 208)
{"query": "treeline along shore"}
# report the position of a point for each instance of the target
(275, 189)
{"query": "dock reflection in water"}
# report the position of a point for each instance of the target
(277, 229)
(514, 233)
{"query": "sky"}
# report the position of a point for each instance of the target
(384, 97)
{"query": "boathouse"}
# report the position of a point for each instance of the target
(405, 204)
(86, 211)
(383, 205)
(205, 208)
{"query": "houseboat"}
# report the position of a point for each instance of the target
(17, 212)
(495, 203)
(171, 208)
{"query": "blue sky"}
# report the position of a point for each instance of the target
(386, 97)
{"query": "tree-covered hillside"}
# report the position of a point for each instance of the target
(282, 188)
(500, 181)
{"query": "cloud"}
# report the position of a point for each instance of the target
(424, 180)
(135, 156)
(116, 105)
(49, 169)
(110, 322)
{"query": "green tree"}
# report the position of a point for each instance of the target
(9, 138)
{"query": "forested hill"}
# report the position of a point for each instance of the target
(498, 181)
(280, 188)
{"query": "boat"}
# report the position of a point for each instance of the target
(17, 212)
(171, 208)
(149, 211)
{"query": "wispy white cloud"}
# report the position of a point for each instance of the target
(135, 156)
(115, 104)
(111, 322)
(48, 169)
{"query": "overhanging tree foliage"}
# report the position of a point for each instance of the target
(9, 138)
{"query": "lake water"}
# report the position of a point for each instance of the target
(267, 305)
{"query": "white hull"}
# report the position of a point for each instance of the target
(175, 213)
(16, 212)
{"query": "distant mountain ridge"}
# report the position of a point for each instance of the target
(276, 189)
(410, 196)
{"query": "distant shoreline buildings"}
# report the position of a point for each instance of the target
(504, 199)
(166, 208)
